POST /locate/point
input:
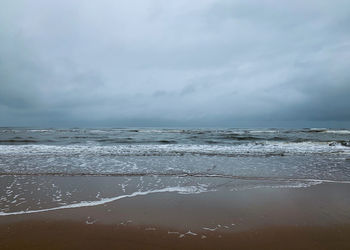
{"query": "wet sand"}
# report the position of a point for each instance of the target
(75, 235)
(317, 217)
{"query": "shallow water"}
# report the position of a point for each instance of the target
(35, 165)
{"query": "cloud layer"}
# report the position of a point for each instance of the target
(153, 62)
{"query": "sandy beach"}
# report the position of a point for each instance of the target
(316, 217)
(75, 235)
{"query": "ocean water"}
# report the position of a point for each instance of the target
(46, 169)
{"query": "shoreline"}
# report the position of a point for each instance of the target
(321, 204)
(315, 217)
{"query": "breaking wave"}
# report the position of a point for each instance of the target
(249, 149)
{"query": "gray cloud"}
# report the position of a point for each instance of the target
(203, 62)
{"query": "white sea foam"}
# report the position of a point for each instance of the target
(263, 131)
(337, 131)
(191, 233)
(268, 147)
(323, 181)
(32, 130)
(180, 190)
(287, 185)
(210, 229)
(293, 183)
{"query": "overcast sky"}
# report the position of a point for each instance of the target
(174, 63)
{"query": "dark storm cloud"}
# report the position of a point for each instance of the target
(212, 62)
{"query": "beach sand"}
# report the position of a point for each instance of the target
(74, 235)
(316, 217)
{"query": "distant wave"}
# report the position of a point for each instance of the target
(153, 136)
(324, 130)
(18, 141)
(338, 131)
(168, 149)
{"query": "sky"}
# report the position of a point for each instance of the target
(225, 63)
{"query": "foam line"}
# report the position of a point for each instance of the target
(181, 190)
(178, 174)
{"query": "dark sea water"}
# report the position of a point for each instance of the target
(143, 160)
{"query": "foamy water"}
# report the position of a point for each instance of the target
(180, 190)
(49, 169)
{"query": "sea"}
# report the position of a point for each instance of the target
(51, 169)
